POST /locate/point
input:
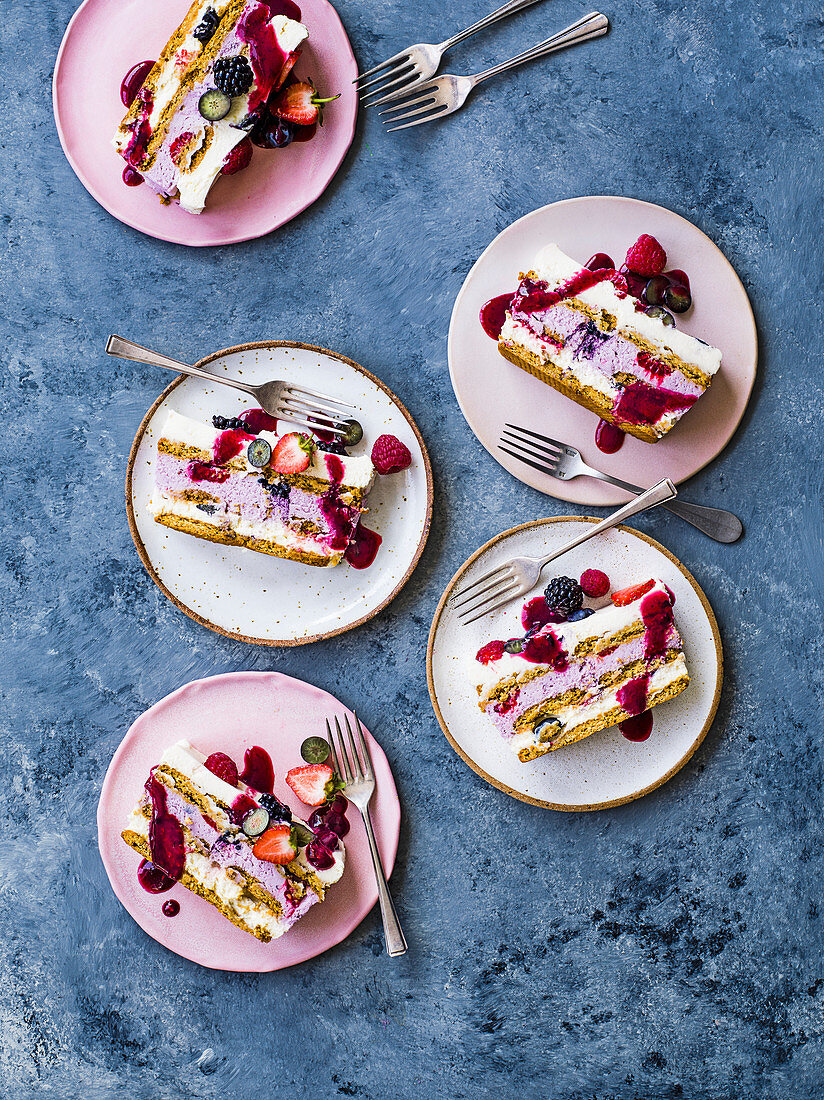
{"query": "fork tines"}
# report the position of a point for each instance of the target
(426, 103)
(544, 456)
(352, 766)
(396, 70)
(314, 410)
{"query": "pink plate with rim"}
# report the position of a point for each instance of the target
(105, 38)
(229, 713)
(492, 392)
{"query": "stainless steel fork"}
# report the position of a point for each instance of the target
(517, 577)
(355, 768)
(441, 97)
(563, 461)
(417, 63)
(283, 400)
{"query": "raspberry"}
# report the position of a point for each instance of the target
(594, 583)
(223, 767)
(646, 256)
(492, 651)
(178, 146)
(238, 158)
(390, 455)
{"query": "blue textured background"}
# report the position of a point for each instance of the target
(671, 948)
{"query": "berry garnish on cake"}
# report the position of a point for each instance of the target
(564, 680)
(237, 481)
(239, 848)
(214, 92)
(606, 337)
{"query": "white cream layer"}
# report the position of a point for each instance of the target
(608, 620)
(358, 471)
(555, 267)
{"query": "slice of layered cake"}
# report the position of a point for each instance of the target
(565, 681)
(248, 486)
(240, 849)
(584, 334)
(202, 95)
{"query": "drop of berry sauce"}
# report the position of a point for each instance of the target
(258, 772)
(608, 438)
(361, 551)
(171, 908)
(133, 81)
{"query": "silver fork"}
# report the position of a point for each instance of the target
(441, 97)
(517, 577)
(315, 411)
(356, 769)
(565, 462)
(417, 63)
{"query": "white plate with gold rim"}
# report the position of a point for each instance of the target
(604, 769)
(255, 597)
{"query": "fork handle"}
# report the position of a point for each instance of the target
(719, 524)
(394, 937)
(664, 490)
(125, 349)
(487, 21)
(591, 26)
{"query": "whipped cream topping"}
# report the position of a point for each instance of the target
(357, 471)
(608, 620)
(555, 267)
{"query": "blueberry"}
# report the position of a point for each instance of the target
(655, 290)
(219, 422)
(514, 645)
(259, 452)
(547, 728)
(214, 105)
(665, 318)
(332, 447)
(582, 613)
(354, 433)
(315, 750)
(677, 298)
(276, 135)
(256, 821)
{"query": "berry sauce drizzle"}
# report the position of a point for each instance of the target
(258, 772)
(493, 314)
(131, 177)
(641, 404)
(265, 53)
(133, 81)
(637, 728)
(165, 833)
(544, 648)
(608, 438)
(334, 467)
(283, 7)
(361, 551)
(153, 879)
(257, 421)
(656, 613)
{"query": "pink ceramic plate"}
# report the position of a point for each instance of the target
(105, 38)
(230, 713)
(491, 391)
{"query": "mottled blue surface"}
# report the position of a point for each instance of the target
(671, 948)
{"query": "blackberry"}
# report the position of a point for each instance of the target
(563, 595)
(229, 423)
(277, 811)
(233, 75)
(220, 422)
(207, 26)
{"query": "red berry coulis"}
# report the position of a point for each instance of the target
(493, 314)
(361, 551)
(165, 833)
(133, 81)
(258, 772)
(153, 879)
(131, 177)
(171, 908)
(608, 438)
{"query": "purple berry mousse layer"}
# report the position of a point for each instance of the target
(225, 855)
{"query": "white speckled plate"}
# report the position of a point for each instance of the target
(604, 769)
(256, 597)
(492, 391)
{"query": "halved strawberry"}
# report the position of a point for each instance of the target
(313, 783)
(276, 845)
(293, 452)
(299, 103)
(629, 595)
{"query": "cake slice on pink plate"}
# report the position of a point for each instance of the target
(205, 93)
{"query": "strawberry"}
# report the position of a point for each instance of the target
(293, 453)
(313, 783)
(276, 845)
(629, 595)
(299, 103)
